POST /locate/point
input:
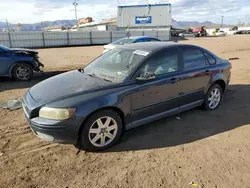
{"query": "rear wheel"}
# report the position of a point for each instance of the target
(213, 97)
(102, 130)
(22, 72)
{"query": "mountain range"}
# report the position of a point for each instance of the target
(39, 26)
(69, 23)
(188, 24)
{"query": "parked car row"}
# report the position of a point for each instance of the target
(221, 33)
(242, 32)
(188, 34)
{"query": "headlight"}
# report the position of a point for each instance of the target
(56, 113)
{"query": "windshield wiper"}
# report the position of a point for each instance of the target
(91, 74)
(94, 75)
(107, 80)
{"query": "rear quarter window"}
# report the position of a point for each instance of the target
(193, 58)
(211, 60)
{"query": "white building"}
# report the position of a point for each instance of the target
(151, 16)
(104, 25)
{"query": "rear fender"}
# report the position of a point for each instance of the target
(215, 78)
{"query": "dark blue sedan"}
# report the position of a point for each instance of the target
(18, 63)
(125, 88)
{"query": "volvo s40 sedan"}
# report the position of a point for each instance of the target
(124, 88)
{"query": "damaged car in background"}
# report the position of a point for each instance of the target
(18, 63)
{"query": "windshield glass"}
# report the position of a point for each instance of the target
(116, 64)
(4, 48)
(123, 41)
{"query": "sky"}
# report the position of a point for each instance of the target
(33, 11)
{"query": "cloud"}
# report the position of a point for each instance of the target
(210, 10)
(30, 11)
(48, 5)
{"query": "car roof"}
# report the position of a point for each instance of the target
(139, 37)
(151, 46)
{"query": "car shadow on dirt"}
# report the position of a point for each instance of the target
(191, 126)
(8, 84)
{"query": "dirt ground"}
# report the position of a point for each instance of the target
(211, 149)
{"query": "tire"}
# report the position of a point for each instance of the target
(22, 72)
(94, 141)
(216, 89)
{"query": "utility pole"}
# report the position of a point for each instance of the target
(76, 4)
(222, 17)
(7, 25)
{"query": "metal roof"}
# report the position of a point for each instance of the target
(147, 5)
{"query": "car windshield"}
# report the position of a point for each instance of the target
(4, 48)
(116, 64)
(123, 41)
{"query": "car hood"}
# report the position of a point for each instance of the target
(66, 84)
(23, 50)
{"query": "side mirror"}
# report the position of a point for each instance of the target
(146, 76)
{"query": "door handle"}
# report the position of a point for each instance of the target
(173, 80)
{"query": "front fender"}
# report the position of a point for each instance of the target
(87, 104)
(122, 104)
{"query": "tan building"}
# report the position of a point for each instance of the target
(85, 20)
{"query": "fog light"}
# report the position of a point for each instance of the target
(45, 137)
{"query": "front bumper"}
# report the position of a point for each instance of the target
(39, 67)
(65, 131)
(55, 131)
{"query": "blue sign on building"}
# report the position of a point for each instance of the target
(143, 19)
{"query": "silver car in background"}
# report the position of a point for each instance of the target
(135, 39)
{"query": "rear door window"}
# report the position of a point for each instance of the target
(193, 58)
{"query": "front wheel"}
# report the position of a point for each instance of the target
(22, 72)
(213, 97)
(102, 130)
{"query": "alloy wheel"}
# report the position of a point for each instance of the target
(22, 73)
(103, 131)
(214, 98)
